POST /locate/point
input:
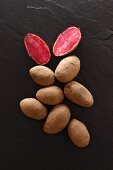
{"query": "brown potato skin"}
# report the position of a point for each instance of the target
(42, 75)
(51, 95)
(78, 133)
(78, 94)
(33, 108)
(67, 69)
(57, 119)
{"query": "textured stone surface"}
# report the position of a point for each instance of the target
(23, 146)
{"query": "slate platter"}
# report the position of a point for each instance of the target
(23, 145)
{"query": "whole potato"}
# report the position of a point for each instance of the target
(42, 75)
(78, 133)
(57, 119)
(67, 69)
(78, 94)
(50, 95)
(33, 108)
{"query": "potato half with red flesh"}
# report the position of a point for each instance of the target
(67, 41)
(37, 49)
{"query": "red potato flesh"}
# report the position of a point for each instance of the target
(37, 49)
(67, 41)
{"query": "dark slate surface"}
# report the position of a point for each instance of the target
(23, 145)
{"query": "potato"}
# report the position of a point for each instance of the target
(67, 69)
(78, 94)
(78, 133)
(33, 108)
(42, 75)
(50, 95)
(57, 119)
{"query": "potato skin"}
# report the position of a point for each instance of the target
(78, 133)
(51, 95)
(67, 69)
(57, 119)
(78, 94)
(42, 75)
(33, 108)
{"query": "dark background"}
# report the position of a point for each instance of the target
(23, 145)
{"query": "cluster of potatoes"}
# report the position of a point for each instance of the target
(59, 116)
